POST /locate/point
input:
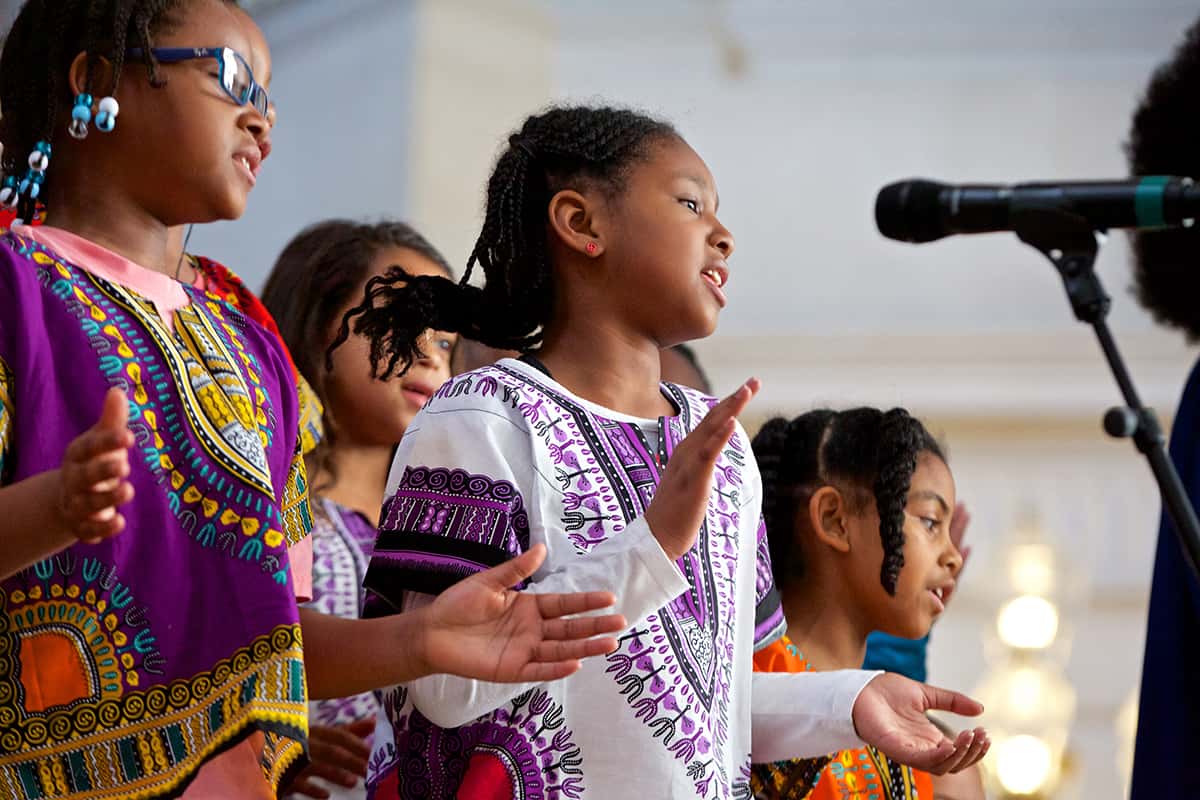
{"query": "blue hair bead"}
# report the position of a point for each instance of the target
(105, 122)
(81, 115)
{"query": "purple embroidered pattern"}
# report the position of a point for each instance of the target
(441, 526)
(531, 753)
(675, 671)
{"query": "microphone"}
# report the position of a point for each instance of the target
(921, 210)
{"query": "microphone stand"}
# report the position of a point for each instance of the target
(1071, 244)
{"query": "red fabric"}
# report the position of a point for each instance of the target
(486, 779)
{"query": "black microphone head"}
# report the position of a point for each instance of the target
(908, 211)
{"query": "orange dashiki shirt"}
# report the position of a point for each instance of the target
(862, 774)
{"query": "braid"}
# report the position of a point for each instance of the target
(566, 147)
(790, 463)
(38, 51)
(900, 440)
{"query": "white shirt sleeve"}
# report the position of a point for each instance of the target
(438, 526)
(804, 714)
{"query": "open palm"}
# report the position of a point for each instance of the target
(889, 714)
(482, 628)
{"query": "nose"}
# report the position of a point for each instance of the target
(951, 558)
(722, 240)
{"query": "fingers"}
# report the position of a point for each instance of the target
(94, 442)
(513, 571)
(114, 415)
(306, 788)
(552, 606)
(958, 525)
(92, 531)
(582, 627)
(543, 672)
(978, 750)
(734, 404)
(945, 700)
(568, 650)
(338, 755)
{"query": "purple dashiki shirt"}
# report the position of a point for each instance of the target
(126, 665)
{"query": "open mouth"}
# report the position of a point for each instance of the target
(716, 275)
(250, 162)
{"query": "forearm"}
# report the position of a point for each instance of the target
(344, 657)
(32, 524)
(804, 715)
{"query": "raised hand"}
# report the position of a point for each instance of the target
(889, 714)
(681, 500)
(958, 531)
(337, 754)
(93, 474)
(482, 628)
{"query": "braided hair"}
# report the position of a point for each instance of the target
(865, 448)
(314, 277)
(42, 43)
(1162, 141)
(565, 147)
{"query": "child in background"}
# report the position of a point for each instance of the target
(319, 275)
(631, 483)
(150, 642)
(857, 506)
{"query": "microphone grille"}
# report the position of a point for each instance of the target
(908, 211)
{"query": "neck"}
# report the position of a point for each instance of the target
(827, 631)
(88, 204)
(594, 356)
(361, 478)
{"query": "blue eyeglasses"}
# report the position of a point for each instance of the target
(235, 76)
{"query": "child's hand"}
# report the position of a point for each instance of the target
(482, 628)
(338, 755)
(679, 504)
(93, 474)
(889, 715)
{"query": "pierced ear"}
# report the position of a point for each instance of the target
(102, 76)
(573, 218)
(827, 513)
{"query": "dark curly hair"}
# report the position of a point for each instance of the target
(44, 39)
(570, 147)
(1162, 141)
(864, 448)
(317, 274)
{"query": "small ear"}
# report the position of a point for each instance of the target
(827, 513)
(573, 220)
(101, 83)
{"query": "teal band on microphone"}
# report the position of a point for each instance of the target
(1148, 201)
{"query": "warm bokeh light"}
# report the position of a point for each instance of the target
(1031, 568)
(1023, 764)
(1028, 622)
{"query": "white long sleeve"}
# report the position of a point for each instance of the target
(632, 566)
(804, 714)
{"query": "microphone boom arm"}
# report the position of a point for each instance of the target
(1071, 244)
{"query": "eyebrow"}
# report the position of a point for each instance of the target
(929, 495)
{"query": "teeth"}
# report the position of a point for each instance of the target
(245, 162)
(715, 275)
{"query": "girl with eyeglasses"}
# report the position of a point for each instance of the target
(154, 508)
